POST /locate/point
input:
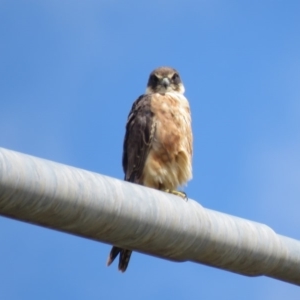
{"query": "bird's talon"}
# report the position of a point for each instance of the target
(177, 193)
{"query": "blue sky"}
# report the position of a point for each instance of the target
(69, 72)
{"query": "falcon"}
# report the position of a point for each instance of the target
(157, 150)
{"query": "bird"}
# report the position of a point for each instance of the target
(158, 143)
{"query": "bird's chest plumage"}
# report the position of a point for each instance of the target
(171, 119)
(169, 160)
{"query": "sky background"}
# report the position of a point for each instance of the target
(69, 72)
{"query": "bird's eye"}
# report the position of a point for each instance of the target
(154, 79)
(175, 78)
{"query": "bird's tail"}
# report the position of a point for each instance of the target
(123, 259)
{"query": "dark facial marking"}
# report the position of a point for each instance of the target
(176, 78)
(153, 80)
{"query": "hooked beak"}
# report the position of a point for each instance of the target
(165, 82)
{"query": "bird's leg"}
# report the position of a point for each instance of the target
(177, 193)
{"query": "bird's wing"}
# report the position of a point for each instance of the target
(140, 129)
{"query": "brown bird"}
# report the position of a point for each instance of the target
(157, 150)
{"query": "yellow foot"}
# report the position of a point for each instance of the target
(177, 193)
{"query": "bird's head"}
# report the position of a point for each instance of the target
(163, 80)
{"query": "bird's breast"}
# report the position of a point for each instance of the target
(172, 119)
(169, 160)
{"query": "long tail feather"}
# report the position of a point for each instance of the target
(113, 254)
(123, 260)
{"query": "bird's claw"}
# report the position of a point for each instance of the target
(183, 195)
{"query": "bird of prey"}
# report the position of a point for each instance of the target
(157, 150)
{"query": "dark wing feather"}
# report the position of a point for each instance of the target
(138, 138)
(137, 143)
(123, 260)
